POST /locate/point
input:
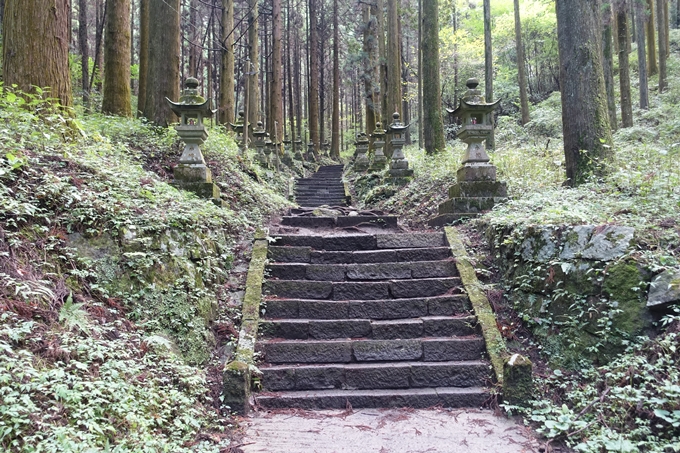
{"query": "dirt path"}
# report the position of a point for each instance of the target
(385, 431)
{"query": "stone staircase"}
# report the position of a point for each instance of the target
(325, 187)
(368, 320)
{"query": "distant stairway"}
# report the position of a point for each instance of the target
(368, 320)
(325, 187)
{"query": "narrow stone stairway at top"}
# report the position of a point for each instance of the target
(324, 187)
(362, 313)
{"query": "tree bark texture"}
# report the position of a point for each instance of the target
(624, 69)
(608, 63)
(370, 66)
(652, 67)
(84, 52)
(639, 13)
(277, 74)
(433, 127)
(143, 53)
(521, 69)
(385, 114)
(488, 67)
(164, 57)
(585, 121)
(335, 119)
(226, 101)
(393, 59)
(420, 69)
(35, 47)
(98, 69)
(254, 66)
(314, 70)
(663, 53)
(116, 98)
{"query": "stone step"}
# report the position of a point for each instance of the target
(327, 329)
(454, 305)
(320, 203)
(436, 349)
(363, 272)
(364, 241)
(339, 222)
(320, 182)
(341, 399)
(396, 289)
(365, 376)
(301, 254)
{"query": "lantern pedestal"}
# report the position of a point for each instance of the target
(379, 159)
(399, 172)
(361, 163)
(476, 189)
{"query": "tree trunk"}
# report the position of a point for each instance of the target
(608, 63)
(277, 76)
(116, 99)
(335, 120)
(35, 47)
(585, 121)
(663, 53)
(291, 103)
(652, 67)
(143, 53)
(84, 53)
(521, 70)
(639, 13)
(433, 126)
(394, 60)
(253, 69)
(421, 132)
(314, 69)
(98, 68)
(226, 104)
(385, 114)
(488, 68)
(370, 63)
(164, 57)
(624, 71)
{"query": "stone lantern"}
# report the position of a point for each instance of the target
(298, 149)
(260, 141)
(379, 159)
(240, 137)
(326, 148)
(399, 171)
(287, 158)
(361, 163)
(191, 173)
(476, 189)
(310, 156)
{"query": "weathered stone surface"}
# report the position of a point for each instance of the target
(379, 271)
(326, 272)
(339, 328)
(323, 257)
(377, 376)
(518, 386)
(479, 189)
(376, 350)
(236, 387)
(350, 242)
(280, 308)
(540, 245)
(397, 329)
(433, 269)
(664, 289)
(361, 290)
(298, 289)
(448, 349)
(308, 222)
(575, 241)
(469, 205)
(292, 351)
(287, 271)
(449, 374)
(608, 243)
(423, 287)
(290, 329)
(313, 309)
(277, 378)
(446, 326)
(410, 240)
(380, 221)
(290, 254)
(315, 242)
(476, 173)
(374, 256)
(319, 377)
(423, 254)
(388, 309)
(448, 305)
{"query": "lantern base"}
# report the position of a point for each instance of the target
(379, 163)
(469, 199)
(476, 172)
(362, 163)
(206, 190)
(192, 173)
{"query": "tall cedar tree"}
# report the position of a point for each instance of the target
(639, 12)
(652, 67)
(624, 67)
(143, 53)
(253, 68)
(276, 99)
(488, 67)
(433, 126)
(521, 68)
(35, 47)
(314, 70)
(335, 119)
(393, 59)
(370, 65)
(163, 67)
(608, 19)
(84, 52)
(663, 53)
(117, 44)
(227, 101)
(585, 121)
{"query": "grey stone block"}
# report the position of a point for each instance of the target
(424, 287)
(360, 290)
(410, 240)
(289, 254)
(277, 378)
(388, 309)
(433, 269)
(308, 222)
(450, 374)
(379, 271)
(378, 376)
(315, 242)
(394, 329)
(312, 309)
(324, 257)
(339, 328)
(423, 254)
(374, 256)
(446, 326)
(295, 351)
(449, 305)
(350, 242)
(281, 308)
(298, 289)
(319, 377)
(608, 243)
(326, 272)
(287, 271)
(664, 289)
(291, 329)
(377, 350)
(448, 349)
